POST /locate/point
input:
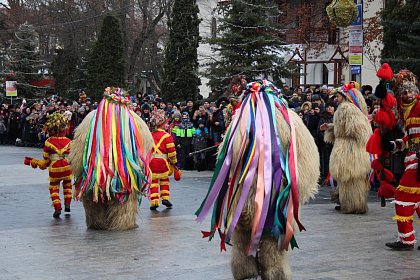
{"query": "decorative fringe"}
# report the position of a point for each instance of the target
(411, 190)
(412, 242)
(260, 155)
(405, 235)
(374, 146)
(403, 218)
(385, 72)
(69, 177)
(113, 162)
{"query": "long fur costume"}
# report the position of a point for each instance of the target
(110, 215)
(349, 161)
(271, 262)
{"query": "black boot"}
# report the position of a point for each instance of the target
(57, 214)
(167, 203)
(338, 207)
(153, 208)
(67, 207)
(399, 246)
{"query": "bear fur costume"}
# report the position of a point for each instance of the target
(349, 161)
(272, 263)
(267, 165)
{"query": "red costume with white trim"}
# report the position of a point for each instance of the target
(407, 195)
(162, 163)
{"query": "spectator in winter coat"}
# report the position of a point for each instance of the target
(3, 130)
(200, 142)
(325, 148)
(217, 125)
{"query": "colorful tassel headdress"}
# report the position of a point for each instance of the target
(353, 95)
(115, 162)
(55, 124)
(259, 155)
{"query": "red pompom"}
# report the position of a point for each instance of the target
(373, 145)
(389, 177)
(389, 101)
(385, 118)
(385, 72)
(177, 175)
(386, 190)
(27, 161)
(376, 165)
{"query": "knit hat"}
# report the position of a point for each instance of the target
(315, 97)
(146, 106)
(176, 114)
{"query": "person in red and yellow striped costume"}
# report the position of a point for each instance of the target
(163, 161)
(56, 150)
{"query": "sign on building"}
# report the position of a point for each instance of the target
(11, 89)
(356, 39)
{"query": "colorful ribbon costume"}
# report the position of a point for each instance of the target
(113, 158)
(261, 156)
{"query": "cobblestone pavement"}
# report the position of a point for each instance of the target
(168, 243)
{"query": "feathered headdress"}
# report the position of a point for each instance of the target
(113, 160)
(260, 149)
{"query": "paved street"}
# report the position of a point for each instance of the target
(168, 244)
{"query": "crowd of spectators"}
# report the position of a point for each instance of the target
(193, 125)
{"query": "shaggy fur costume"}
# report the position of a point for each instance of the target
(349, 161)
(271, 262)
(110, 215)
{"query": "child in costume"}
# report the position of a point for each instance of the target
(56, 151)
(267, 166)
(110, 157)
(163, 160)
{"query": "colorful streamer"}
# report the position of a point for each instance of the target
(113, 160)
(260, 155)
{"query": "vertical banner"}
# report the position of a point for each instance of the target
(356, 39)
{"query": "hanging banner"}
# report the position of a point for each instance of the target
(11, 89)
